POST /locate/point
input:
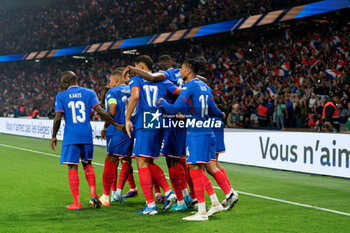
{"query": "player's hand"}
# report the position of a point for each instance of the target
(103, 133)
(109, 86)
(53, 143)
(128, 128)
(125, 72)
(224, 115)
(158, 102)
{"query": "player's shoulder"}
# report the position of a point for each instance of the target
(173, 70)
(134, 80)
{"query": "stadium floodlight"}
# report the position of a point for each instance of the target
(131, 52)
(79, 57)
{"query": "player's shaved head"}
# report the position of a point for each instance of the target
(145, 60)
(165, 62)
(68, 78)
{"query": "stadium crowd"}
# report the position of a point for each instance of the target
(90, 21)
(292, 74)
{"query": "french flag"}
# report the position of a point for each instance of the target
(240, 79)
(332, 73)
(266, 71)
(272, 91)
(239, 54)
(314, 62)
(213, 66)
(285, 66)
(271, 56)
(281, 72)
(314, 47)
(305, 62)
(226, 65)
(341, 49)
(306, 49)
(340, 64)
(337, 40)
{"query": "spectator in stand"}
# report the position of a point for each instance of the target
(281, 113)
(68, 23)
(343, 117)
(330, 112)
(235, 118)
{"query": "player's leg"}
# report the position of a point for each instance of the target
(232, 198)
(185, 167)
(196, 173)
(114, 184)
(86, 158)
(142, 151)
(146, 185)
(197, 154)
(70, 156)
(230, 201)
(176, 182)
(123, 176)
(109, 174)
(159, 178)
(133, 192)
(73, 179)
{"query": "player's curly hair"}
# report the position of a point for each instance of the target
(147, 60)
(195, 64)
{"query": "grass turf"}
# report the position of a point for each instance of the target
(34, 191)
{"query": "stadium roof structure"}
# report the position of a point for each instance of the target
(283, 15)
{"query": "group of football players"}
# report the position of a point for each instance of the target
(136, 108)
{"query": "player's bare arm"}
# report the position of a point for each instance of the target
(105, 115)
(56, 127)
(112, 108)
(134, 99)
(152, 77)
(105, 90)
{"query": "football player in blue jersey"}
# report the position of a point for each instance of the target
(119, 145)
(196, 99)
(75, 104)
(148, 130)
(173, 143)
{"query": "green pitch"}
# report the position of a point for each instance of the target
(34, 191)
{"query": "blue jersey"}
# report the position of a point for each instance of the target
(76, 104)
(118, 95)
(196, 99)
(173, 75)
(149, 94)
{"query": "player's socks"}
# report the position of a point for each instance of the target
(222, 182)
(73, 179)
(159, 177)
(131, 180)
(182, 161)
(108, 176)
(207, 184)
(182, 176)
(156, 188)
(226, 177)
(114, 183)
(146, 184)
(124, 174)
(198, 185)
(90, 177)
(175, 179)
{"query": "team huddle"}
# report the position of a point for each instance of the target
(136, 109)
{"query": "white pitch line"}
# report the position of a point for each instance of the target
(240, 192)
